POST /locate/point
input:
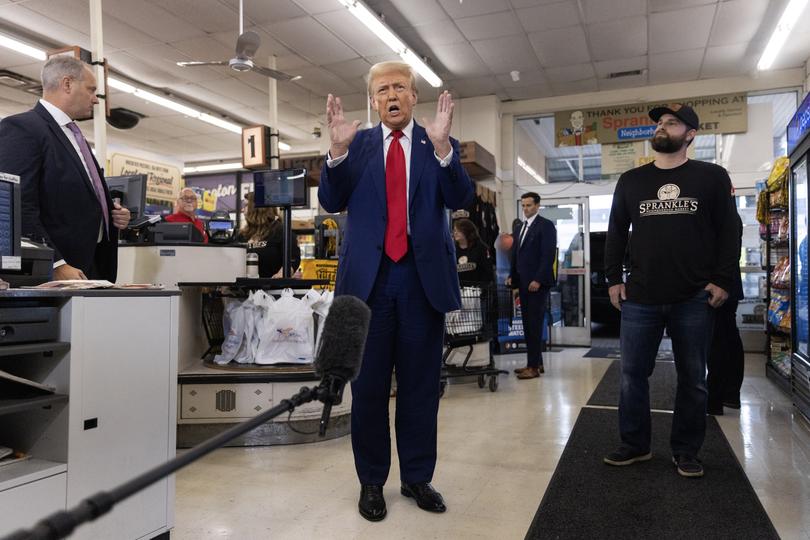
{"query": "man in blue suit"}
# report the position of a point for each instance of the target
(65, 201)
(534, 248)
(396, 181)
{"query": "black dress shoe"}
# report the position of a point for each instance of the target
(372, 503)
(426, 497)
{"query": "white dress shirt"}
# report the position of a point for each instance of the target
(406, 141)
(63, 120)
(525, 230)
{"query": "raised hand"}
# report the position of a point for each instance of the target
(438, 130)
(341, 132)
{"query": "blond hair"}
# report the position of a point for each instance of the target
(259, 222)
(389, 67)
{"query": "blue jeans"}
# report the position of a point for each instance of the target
(689, 325)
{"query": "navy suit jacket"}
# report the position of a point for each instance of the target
(358, 185)
(59, 203)
(534, 259)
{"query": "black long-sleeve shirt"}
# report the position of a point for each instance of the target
(685, 232)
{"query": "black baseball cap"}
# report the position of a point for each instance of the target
(684, 113)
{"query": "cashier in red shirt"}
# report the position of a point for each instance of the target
(186, 206)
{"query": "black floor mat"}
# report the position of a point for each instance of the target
(663, 384)
(588, 499)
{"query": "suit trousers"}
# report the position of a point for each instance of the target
(533, 309)
(405, 334)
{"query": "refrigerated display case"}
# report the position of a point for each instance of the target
(799, 151)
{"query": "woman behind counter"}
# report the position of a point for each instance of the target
(264, 234)
(472, 260)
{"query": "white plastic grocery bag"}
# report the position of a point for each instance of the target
(287, 332)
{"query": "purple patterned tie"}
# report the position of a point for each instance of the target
(91, 167)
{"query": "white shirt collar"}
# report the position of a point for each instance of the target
(530, 220)
(407, 131)
(58, 114)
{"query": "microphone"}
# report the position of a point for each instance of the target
(340, 351)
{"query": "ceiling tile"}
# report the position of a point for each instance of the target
(603, 69)
(574, 87)
(634, 81)
(668, 32)
(737, 21)
(150, 19)
(352, 69)
(725, 61)
(518, 4)
(618, 39)
(527, 78)
(470, 8)
(310, 39)
(608, 10)
(668, 5)
(267, 11)
(208, 15)
(461, 60)
(507, 53)
(239, 92)
(315, 7)
(475, 86)
(675, 66)
(545, 17)
(530, 92)
(321, 82)
(203, 49)
(433, 34)
(489, 26)
(349, 29)
(547, 46)
(576, 72)
(72, 13)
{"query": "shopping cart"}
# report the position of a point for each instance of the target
(472, 328)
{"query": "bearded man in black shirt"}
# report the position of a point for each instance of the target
(683, 259)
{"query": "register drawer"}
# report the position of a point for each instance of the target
(24, 324)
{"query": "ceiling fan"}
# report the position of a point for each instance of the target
(246, 46)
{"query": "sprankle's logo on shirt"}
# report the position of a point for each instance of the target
(668, 203)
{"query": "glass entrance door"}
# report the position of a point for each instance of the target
(570, 301)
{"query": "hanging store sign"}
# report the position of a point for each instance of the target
(163, 181)
(727, 113)
(617, 158)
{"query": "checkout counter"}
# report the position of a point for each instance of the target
(212, 398)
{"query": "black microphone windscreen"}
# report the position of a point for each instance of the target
(340, 351)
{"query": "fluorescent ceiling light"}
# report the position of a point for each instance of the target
(236, 165)
(780, 34)
(284, 146)
(21, 47)
(224, 124)
(387, 36)
(531, 172)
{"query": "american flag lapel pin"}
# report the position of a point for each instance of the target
(422, 141)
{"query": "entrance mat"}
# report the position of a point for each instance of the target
(663, 384)
(614, 352)
(588, 499)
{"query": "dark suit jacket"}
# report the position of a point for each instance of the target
(59, 204)
(358, 185)
(534, 259)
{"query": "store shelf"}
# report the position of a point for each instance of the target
(30, 470)
(32, 348)
(779, 378)
(12, 406)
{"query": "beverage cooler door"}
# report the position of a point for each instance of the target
(799, 322)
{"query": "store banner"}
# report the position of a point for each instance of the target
(727, 113)
(320, 269)
(216, 192)
(163, 181)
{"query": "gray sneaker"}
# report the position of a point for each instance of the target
(626, 456)
(688, 466)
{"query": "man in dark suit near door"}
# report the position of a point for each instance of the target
(534, 248)
(396, 181)
(65, 201)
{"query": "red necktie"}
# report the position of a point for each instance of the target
(396, 187)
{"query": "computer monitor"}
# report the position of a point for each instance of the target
(131, 190)
(286, 188)
(10, 222)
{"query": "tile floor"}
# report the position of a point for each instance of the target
(497, 452)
